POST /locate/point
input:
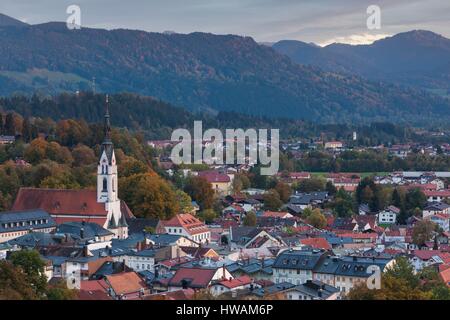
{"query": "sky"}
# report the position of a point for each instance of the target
(319, 21)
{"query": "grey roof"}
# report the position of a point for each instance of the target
(316, 289)
(349, 266)
(39, 239)
(436, 206)
(298, 259)
(164, 239)
(279, 287)
(26, 220)
(307, 198)
(90, 230)
(243, 234)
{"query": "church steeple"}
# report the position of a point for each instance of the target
(107, 124)
(107, 168)
(107, 145)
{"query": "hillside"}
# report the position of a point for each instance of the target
(199, 71)
(417, 58)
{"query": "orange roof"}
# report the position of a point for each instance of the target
(236, 282)
(273, 214)
(125, 283)
(197, 277)
(93, 290)
(316, 243)
(188, 222)
(445, 275)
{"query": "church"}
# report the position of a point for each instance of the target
(101, 206)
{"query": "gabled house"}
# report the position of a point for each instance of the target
(197, 277)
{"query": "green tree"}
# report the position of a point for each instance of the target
(272, 200)
(317, 219)
(30, 262)
(422, 232)
(250, 219)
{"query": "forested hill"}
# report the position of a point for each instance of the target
(157, 119)
(200, 71)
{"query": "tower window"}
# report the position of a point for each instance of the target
(113, 185)
(105, 184)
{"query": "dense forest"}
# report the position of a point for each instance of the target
(157, 119)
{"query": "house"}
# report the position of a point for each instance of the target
(275, 291)
(312, 290)
(262, 239)
(14, 224)
(363, 210)
(257, 269)
(445, 276)
(197, 277)
(101, 206)
(433, 208)
(126, 286)
(304, 200)
(281, 215)
(295, 266)
(189, 226)
(424, 258)
(442, 220)
(316, 243)
(346, 272)
(220, 182)
(230, 285)
(333, 145)
(88, 232)
(439, 195)
(141, 260)
(388, 215)
(7, 140)
(200, 252)
(94, 290)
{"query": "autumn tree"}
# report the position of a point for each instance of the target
(423, 231)
(317, 219)
(284, 191)
(148, 196)
(31, 264)
(250, 219)
(14, 284)
(200, 190)
(272, 200)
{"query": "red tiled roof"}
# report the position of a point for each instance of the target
(445, 276)
(77, 205)
(214, 176)
(370, 235)
(93, 290)
(316, 243)
(125, 283)
(197, 277)
(60, 202)
(236, 282)
(440, 193)
(188, 222)
(183, 294)
(426, 254)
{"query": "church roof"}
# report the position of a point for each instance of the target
(66, 205)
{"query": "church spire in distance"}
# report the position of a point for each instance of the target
(107, 124)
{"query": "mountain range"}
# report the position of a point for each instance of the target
(200, 71)
(417, 58)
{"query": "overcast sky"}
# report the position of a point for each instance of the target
(319, 21)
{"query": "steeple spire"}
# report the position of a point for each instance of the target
(107, 125)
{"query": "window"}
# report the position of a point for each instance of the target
(105, 184)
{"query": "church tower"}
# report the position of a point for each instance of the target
(107, 167)
(107, 183)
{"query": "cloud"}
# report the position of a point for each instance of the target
(356, 39)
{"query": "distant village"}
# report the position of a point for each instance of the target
(92, 240)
